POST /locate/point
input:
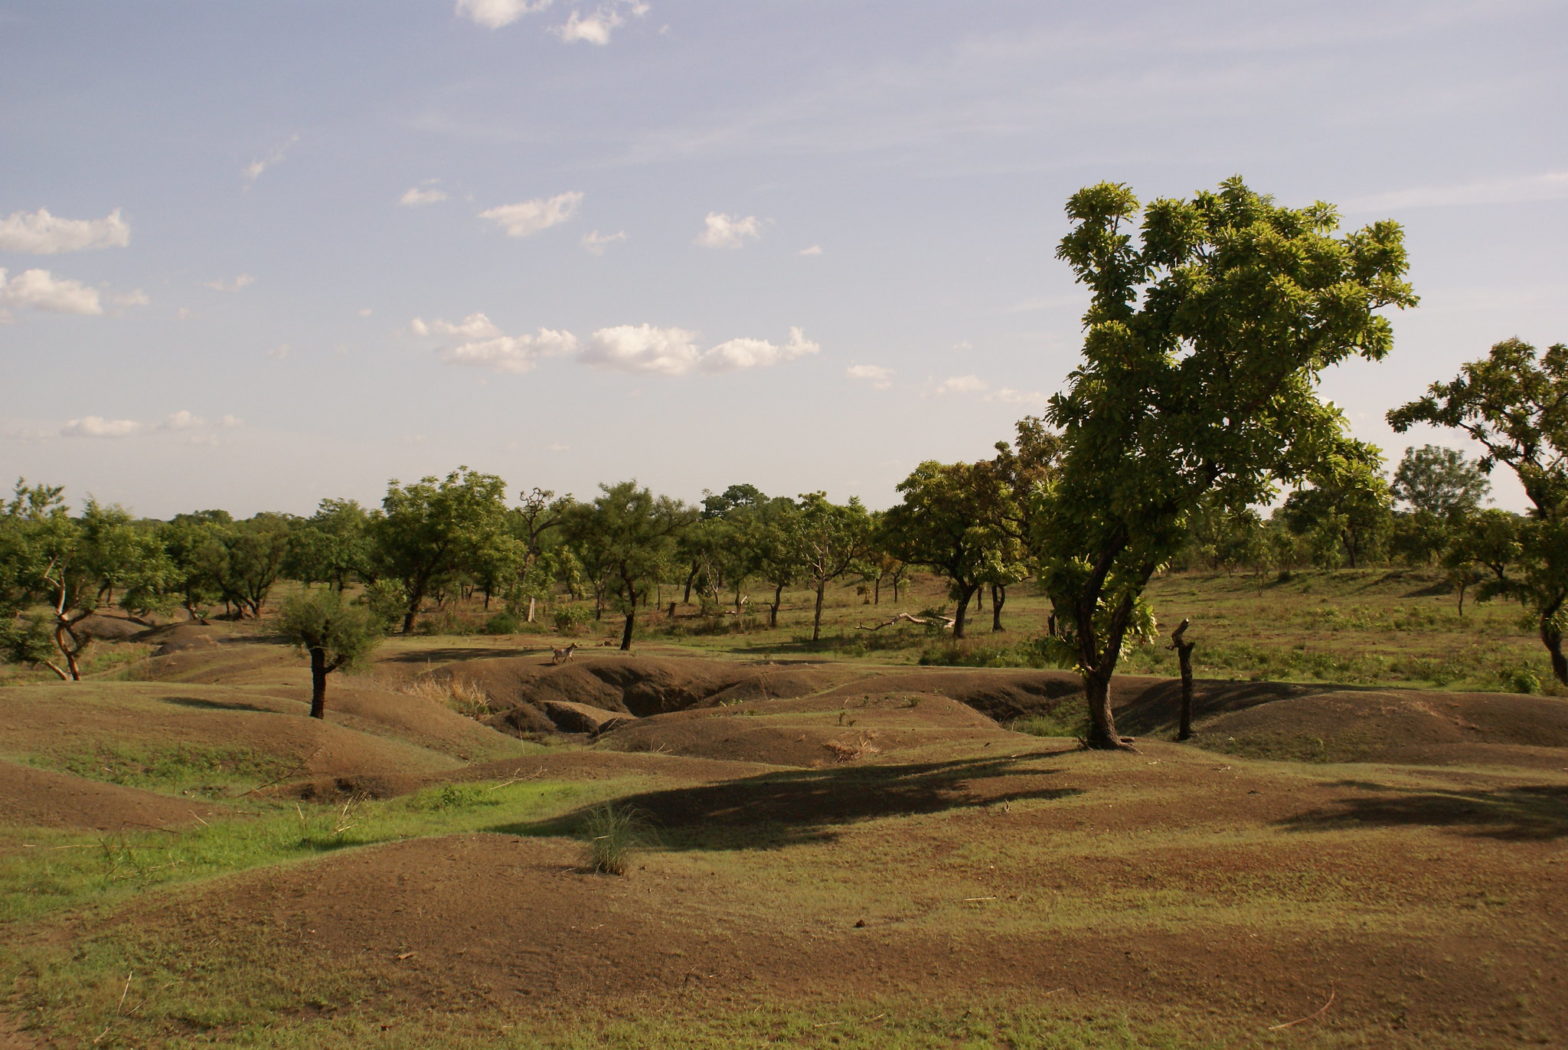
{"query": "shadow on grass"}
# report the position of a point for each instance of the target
(1528, 813)
(212, 705)
(781, 809)
(453, 654)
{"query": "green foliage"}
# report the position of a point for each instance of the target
(1204, 337)
(1439, 481)
(333, 632)
(1515, 404)
(183, 768)
(569, 619)
(626, 540)
(1345, 509)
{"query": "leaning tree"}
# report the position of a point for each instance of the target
(1208, 324)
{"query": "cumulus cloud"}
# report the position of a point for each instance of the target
(643, 348)
(233, 284)
(527, 218)
(42, 290)
(474, 326)
(674, 351)
(98, 427)
(254, 169)
(596, 28)
(425, 193)
(596, 242)
(726, 231)
(815, 249)
(962, 385)
(493, 14)
(40, 233)
(134, 297)
(515, 354)
(880, 378)
(757, 353)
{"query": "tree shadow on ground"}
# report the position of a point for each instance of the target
(457, 655)
(1156, 709)
(788, 808)
(1527, 813)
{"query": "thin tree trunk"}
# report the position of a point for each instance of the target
(998, 599)
(773, 610)
(1184, 659)
(318, 682)
(966, 592)
(816, 620)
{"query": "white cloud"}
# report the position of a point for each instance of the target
(596, 28)
(815, 249)
(40, 233)
(493, 14)
(529, 217)
(254, 169)
(962, 385)
(880, 378)
(134, 297)
(195, 428)
(595, 242)
(643, 348)
(243, 280)
(474, 326)
(426, 193)
(963, 346)
(726, 231)
(280, 352)
(98, 427)
(674, 351)
(1519, 189)
(515, 354)
(757, 353)
(1009, 396)
(42, 290)
(364, 311)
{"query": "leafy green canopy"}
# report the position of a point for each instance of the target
(1208, 325)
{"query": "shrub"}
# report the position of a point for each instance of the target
(569, 618)
(502, 623)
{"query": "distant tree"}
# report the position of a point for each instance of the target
(72, 565)
(829, 541)
(539, 514)
(1515, 405)
(1345, 507)
(197, 557)
(628, 534)
(435, 529)
(1439, 481)
(955, 519)
(772, 534)
(257, 549)
(333, 545)
(333, 632)
(1483, 552)
(1207, 328)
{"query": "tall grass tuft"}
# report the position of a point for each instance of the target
(613, 834)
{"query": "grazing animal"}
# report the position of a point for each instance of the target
(560, 656)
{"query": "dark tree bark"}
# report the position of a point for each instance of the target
(773, 609)
(966, 592)
(1184, 658)
(998, 599)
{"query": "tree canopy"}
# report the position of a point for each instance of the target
(1208, 324)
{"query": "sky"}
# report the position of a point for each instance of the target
(257, 255)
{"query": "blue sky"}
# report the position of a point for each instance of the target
(260, 254)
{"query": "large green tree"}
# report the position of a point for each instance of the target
(1514, 403)
(828, 541)
(1209, 322)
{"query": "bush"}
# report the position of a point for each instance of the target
(502, 623)
(568, 619)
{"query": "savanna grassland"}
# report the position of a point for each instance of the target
(854, 844)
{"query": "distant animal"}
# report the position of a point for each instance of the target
(560, 656)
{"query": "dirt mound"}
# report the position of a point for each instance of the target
(178, 637)
(56, 720)
(812, 731)
(45, 798)
(106, 628)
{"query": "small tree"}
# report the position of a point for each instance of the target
(628, 536)
(1515, 405)
(333, 632)
(829, 541)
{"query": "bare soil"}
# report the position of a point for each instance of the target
(839, 834)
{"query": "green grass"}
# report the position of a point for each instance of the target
(186, 769)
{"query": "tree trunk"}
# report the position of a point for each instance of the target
(965, 593)
(318, 682)
(816, 620)
(773, 610)
(626, 632)
(1102, 724)
(532, 601)
(1184, 659)
(1553, 638)
(998, 599)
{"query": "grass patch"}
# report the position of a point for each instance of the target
(188, 769)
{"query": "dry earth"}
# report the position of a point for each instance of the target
(839, 834)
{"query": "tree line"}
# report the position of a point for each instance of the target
(1209, 322)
